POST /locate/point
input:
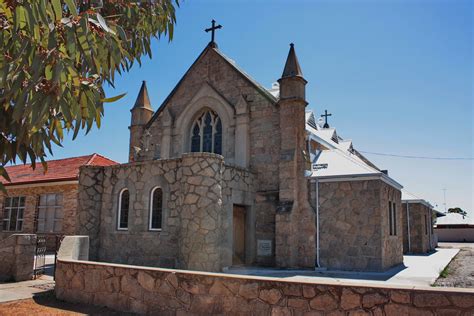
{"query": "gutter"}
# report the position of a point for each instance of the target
(361, 176)
(41, 183)
(318, 264)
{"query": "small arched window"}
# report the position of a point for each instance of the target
(156, 209)
(123, 208)
(206, 133)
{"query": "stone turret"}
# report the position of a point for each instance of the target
(295, 225)
(141, 114)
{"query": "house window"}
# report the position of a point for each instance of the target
(123, 208)
(50, 213)
(392, 218)
(156, 209)
(13, 211)
(206, 133)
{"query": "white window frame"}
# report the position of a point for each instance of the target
(151, 210)
(119, 213)
(7, 213)
(55, 207)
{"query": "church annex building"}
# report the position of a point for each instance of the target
(226, 172)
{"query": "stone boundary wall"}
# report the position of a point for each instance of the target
(17, 255)
(156, 291)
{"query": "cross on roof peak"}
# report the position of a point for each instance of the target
(213, 29)
(326, 115)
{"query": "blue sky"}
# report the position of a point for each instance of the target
(397, 76)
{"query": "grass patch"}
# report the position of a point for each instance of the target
(444, 273)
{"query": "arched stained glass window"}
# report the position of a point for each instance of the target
(196, 138)
(206, 133)
(123, 207)
(218, 137)
(156, 209)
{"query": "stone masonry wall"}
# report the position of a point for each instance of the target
(392, 246)
(419, 233)
(352, 224)
(155, 291)
(195, 218)
(17, 253)
(32, 193)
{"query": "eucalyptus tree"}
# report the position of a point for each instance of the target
(57, 55)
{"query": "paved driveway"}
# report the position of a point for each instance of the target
(422, 270)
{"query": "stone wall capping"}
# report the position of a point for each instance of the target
(337, 283)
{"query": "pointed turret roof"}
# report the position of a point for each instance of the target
(292, 66)
(143, 100)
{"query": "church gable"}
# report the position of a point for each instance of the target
(212, 84)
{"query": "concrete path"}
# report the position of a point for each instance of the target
(423, 270)
(420, 270)
(27, 289)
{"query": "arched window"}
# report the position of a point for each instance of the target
(206, 133)
(156, 209)
(123, 207)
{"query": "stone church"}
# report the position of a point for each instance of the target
(226, 173)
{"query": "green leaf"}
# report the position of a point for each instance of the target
(48, 72)
(113, 99)
(58, 12)
(72, 7)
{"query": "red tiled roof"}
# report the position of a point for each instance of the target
(58, 170)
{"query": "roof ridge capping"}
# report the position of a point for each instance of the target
(96, 155)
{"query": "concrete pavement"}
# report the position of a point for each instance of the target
(27, 289)
(420, 270)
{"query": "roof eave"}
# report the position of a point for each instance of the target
(362, 176)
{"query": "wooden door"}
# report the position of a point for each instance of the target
(238, 257)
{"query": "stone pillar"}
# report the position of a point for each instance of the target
(295, 219)
(201, 232)
(17, 256)
(89, 205)
(242, 152)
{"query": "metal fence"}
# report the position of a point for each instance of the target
(40, 254)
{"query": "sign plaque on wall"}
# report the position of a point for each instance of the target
(264, 247)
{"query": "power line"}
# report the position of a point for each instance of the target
(416, 157)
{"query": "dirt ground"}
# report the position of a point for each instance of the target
(47, 304)
(460, 272)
